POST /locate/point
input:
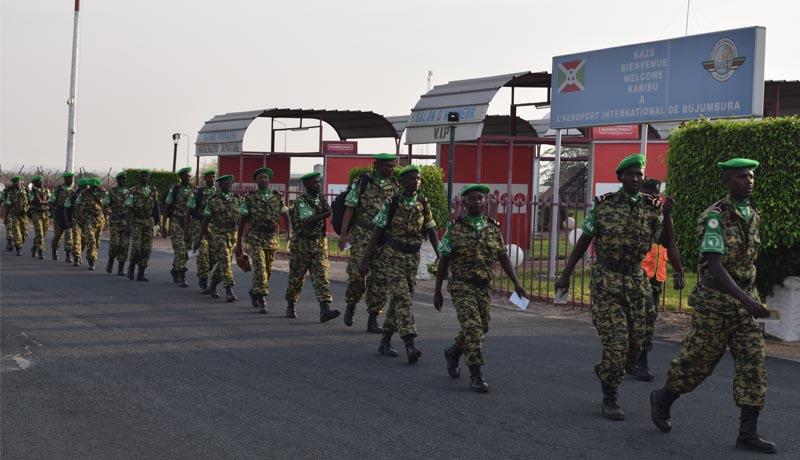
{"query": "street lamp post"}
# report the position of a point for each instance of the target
(175, 139)
(452, 117)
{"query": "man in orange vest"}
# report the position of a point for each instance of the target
(655, 266)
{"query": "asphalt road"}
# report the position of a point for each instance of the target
(98, 367)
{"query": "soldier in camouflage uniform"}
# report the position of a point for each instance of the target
(309, 248)
(725, 303)
(120, 237)
(39, 200)
(262, 210)
(17, 205)
(222, 212)
(9, 240)
(57, 199)
(73, 223)
(403, 220)
(469, 248)
(143, 214)
(194, 218)
(624, 224)
(176, 211)
(367, 195)
(92, 218)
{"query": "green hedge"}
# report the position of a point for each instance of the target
(431, 187)
(162, 180)
(693, 176)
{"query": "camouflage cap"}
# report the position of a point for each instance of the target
(736, 163)
(266, 171)
(637, 159)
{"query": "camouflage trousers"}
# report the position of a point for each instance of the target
(179, 247)
(17, 229)
(472, 308)
(705, 344)
(262, 253)
(58, 232)
(78, 241)
(651, 313)
(401, 274)
(92, 228)
(308, 256)
(40, 221)
(120, 240)
(374, 283)
(202, 251)
(618, 314)
(141, 240)
(220, 252)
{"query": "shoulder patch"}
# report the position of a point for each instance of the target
(603, 197)
(493, 222)
(653, 201)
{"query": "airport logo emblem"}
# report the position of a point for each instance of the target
(724, 60)
(571, 76)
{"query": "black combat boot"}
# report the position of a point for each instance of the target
(349, 313)
(131, 270)
(40, 255)
(182, 279)
(121, 268)
(660, 404)
(325, 312)
(253, 298)
(212, 290)
(19, 250)
(611, 409)
(372, 324)
(67, 257)
(229, 295)
(291, 312)
(76, 261)
(261, 304)
(140, 275)
(204, 286)
(9, 246)
(640, 369)
(55, 254)
(91, 263)
(33, 251)
(453, 354)
(476, 382)
(175, 276)
(385, 347)
(412, 352)
(110, 265)
(749, 439)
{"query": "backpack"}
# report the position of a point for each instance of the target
(338, 207)
(393, 205)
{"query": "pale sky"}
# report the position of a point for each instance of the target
(150, 68)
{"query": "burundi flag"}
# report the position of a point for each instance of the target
(571, 76)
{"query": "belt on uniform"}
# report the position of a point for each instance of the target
(625, 268)
(263, 229)
(480, 284)
(403, 247)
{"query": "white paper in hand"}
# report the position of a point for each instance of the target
(520, 302)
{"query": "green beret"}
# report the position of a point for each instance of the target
(310, 175)
(209, 171)
(479, 187)
(187, 169)
(82, 181)
(37, 177)
(16, 178)
(224, 178)
(637, 159)
(408, 169)
(258, 171)
(145, 171)
(384, 157)
(121, 174)
(68, 174)
(736, 163)
(94, 182)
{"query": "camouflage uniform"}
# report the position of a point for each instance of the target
(367, 205)
(473, 245)
(177, 198)
(72, 207)
(719, 320)
(17, 203)
(92, 220)
(623, 228)
(57, 198)
(197, 204)
(120, 235)
(308, 251)
(40, 215)
(222, 210)
(141, 202)
(398, 259)
(263, 209)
